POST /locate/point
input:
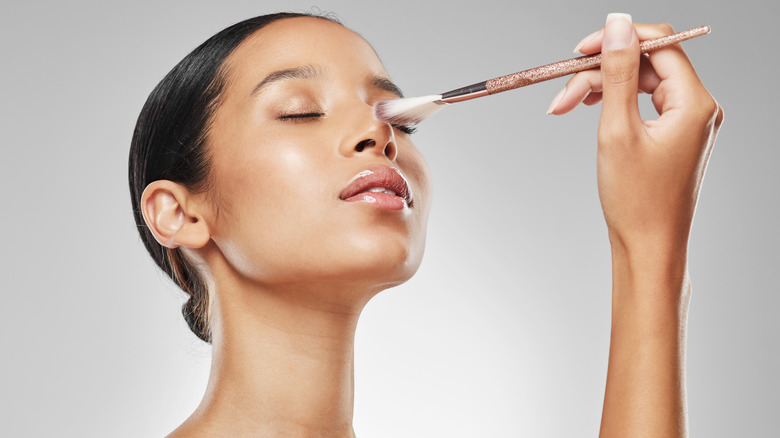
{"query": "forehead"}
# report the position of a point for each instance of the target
(293, 42)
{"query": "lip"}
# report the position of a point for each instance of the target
(379, 177)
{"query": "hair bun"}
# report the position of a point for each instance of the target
(197, 325)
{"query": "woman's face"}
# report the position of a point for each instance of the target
(308, 185)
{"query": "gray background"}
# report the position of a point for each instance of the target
(503, 332)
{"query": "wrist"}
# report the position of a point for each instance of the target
(650, 272)
(650, 250)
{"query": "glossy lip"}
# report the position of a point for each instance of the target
(385, 177)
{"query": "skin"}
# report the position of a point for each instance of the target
(290, 266)
(649, 176)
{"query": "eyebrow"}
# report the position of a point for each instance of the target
(310, 71)
(386, 84)
(302, 72)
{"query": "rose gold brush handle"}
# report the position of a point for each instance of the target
(575, 65)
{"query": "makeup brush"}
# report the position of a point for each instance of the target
(411, 111)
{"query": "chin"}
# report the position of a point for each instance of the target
(384, 263)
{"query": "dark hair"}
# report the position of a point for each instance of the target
(169, 142)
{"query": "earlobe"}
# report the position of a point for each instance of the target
(172, 217)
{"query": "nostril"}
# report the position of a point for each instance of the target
(391, 152)
(364, 144)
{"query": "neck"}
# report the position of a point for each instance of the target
(281, 366)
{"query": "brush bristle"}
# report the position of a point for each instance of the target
(410, 111)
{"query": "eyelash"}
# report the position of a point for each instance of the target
(406, 129)
(300, 116)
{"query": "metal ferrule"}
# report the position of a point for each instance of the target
(462, 97)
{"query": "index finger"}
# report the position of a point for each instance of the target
(667, 62)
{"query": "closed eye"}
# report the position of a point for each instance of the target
(301, 116)
(406, 129)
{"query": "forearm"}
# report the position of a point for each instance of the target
(649, 176)
(645, 392)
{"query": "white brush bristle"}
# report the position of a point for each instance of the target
(410, 111)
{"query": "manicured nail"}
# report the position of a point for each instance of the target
(618, 32)
(586, 40)
(555, 101)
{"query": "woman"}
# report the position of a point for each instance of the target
(262, 184)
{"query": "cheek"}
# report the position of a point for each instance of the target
(262, 180)
(280, 218)
(271, 202)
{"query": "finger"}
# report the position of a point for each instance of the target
(680, 87)
(592, 99)
(586, 45)
(620, 76)
(648, 78)
(646, 31)
(585, 84)
(577, 89)
(669, 60)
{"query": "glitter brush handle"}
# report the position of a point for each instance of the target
(558, 69)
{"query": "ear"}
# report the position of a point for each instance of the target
(173, 215)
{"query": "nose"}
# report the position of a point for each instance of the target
(372, 137)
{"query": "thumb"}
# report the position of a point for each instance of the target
(620, 74)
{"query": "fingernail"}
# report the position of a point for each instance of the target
(585, 97)
(555, 101)
(586, 40)
(618, 32)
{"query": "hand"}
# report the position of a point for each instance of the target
(649, 172)
(649, 176)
